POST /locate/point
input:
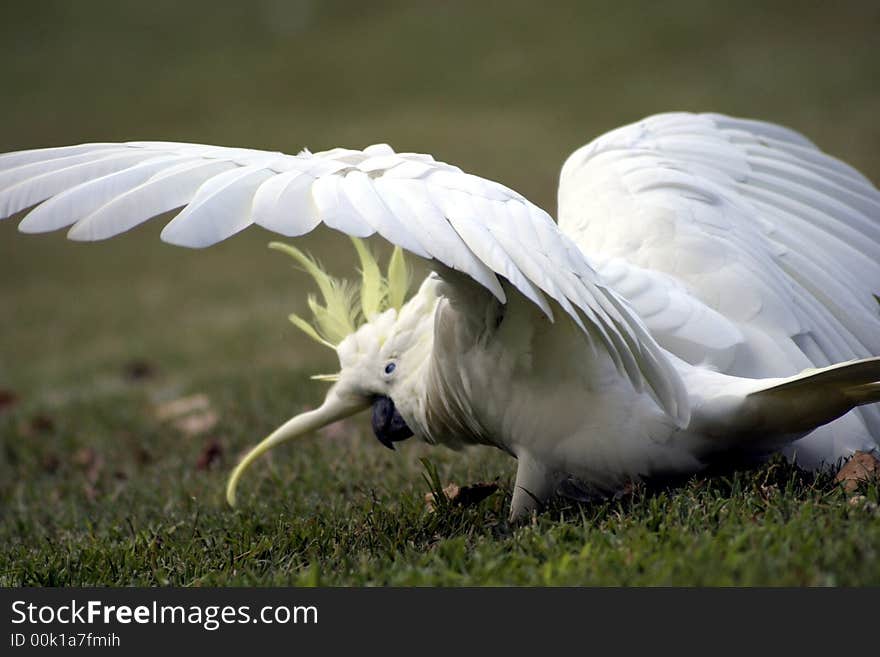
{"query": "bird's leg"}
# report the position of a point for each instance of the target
(535, 483)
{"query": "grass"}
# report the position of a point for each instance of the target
(96, 489)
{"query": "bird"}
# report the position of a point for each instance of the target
(706, 292)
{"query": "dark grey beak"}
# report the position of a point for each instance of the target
(388, 426)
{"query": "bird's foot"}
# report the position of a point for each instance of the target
(535, 484)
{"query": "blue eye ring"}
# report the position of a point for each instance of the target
(390, 367)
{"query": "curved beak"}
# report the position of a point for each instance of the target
(335, 407)
(388, 425)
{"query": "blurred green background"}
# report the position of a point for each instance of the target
(504, 90)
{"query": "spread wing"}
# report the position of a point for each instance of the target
(739, 243)
(432, 209)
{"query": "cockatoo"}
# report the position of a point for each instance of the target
(706, 292)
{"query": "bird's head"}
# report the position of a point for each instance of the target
(381, 346)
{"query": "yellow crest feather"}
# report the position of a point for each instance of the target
(309, 330)
(340, 315)
(399, 276)
(371, 280)
(330, 378)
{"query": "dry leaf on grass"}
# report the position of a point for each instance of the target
(84, 457)
(141, 455)
(50, 462)
(860, 501)
(138, 370)
(463, 495)
(211, 453)
(863, 466)
(193, 425)
(8, 399)
(90, 461)
(36, 424)
(191, 415)
(183, 406)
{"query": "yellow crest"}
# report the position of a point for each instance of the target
(341, 314)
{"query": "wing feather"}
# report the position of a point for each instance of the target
(739, 243)
(77, 202)
(21, 158)
(169, 189)
(335, 209)
(35, 189)
(33, 169)
(409, 200)
(806, 155)
(284, 204)
(460, 213)
(434, 210)
(363, 196)
(220, 208)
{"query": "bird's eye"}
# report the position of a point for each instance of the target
(390, 367)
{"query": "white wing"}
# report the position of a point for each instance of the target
(432, 209)
(740, 244)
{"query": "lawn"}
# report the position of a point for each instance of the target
(99, 484)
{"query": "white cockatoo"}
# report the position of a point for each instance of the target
(708, 290)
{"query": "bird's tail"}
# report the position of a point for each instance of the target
(796, 405)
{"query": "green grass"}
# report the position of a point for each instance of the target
(95, 489)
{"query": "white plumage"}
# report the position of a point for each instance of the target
(700, 263)
(773, 243)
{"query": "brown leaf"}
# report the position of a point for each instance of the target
(210, 454)
(862, 466)
(138, 370)
(36, 424)
(463, 495)
(50, 462)
(141, 455)
(42, 423)
(84, 457)
(90, 461)
(8, 399)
